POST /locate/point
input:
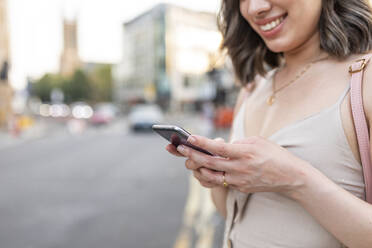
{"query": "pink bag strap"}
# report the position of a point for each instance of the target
(360, 122)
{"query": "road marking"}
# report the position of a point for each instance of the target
(197, 227)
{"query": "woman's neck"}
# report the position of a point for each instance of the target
(304, 54)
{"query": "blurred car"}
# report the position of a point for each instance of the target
(81, 110)
(143, 116)
(104, 113)
(59, 110)
(54, 110)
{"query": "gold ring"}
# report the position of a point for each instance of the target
(224, 183)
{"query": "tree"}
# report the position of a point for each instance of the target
(102, 83)
(77, 88)
(44, 86)
(95, 86)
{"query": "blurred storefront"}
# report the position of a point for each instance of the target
(5, 89)
(168, 52)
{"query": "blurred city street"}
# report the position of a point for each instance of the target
(81, 84)
(103, 187)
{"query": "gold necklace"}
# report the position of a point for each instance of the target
(270, 101)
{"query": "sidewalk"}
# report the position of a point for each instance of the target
(7, 139)
(52, 128)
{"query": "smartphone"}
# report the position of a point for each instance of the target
(177, 136)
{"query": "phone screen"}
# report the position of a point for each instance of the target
(177, 136)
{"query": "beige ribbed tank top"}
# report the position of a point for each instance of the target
(268, 220)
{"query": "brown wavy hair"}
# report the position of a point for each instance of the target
(345, 28)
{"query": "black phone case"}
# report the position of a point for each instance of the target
(176, 136)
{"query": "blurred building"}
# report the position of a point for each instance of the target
(70, 57)
(5, 89)
(168, 51)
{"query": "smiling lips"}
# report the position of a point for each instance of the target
(271, 25)
(267, 25)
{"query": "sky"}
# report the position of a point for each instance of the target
(35, 28)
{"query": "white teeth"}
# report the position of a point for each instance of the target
(271, 25)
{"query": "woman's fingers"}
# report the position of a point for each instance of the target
(203, 182)
(219, 148)
(207, 178)
(173, 150)
(191, 165)
(205, 174)
(211, 162)
(215, 177)
(219, 139)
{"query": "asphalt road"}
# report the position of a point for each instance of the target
(98, 189)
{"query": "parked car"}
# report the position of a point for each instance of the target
(81, 110)
(143, 116)
(104, 113)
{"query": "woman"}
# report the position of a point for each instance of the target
(291, 175)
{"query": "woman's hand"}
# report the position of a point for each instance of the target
(201, 173)
(250, 165)
(172, 150)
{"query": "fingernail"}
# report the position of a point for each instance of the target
(191, 139)
(180, 148)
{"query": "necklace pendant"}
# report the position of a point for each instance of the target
(270, 100)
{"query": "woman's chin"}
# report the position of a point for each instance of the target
(277, 48)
